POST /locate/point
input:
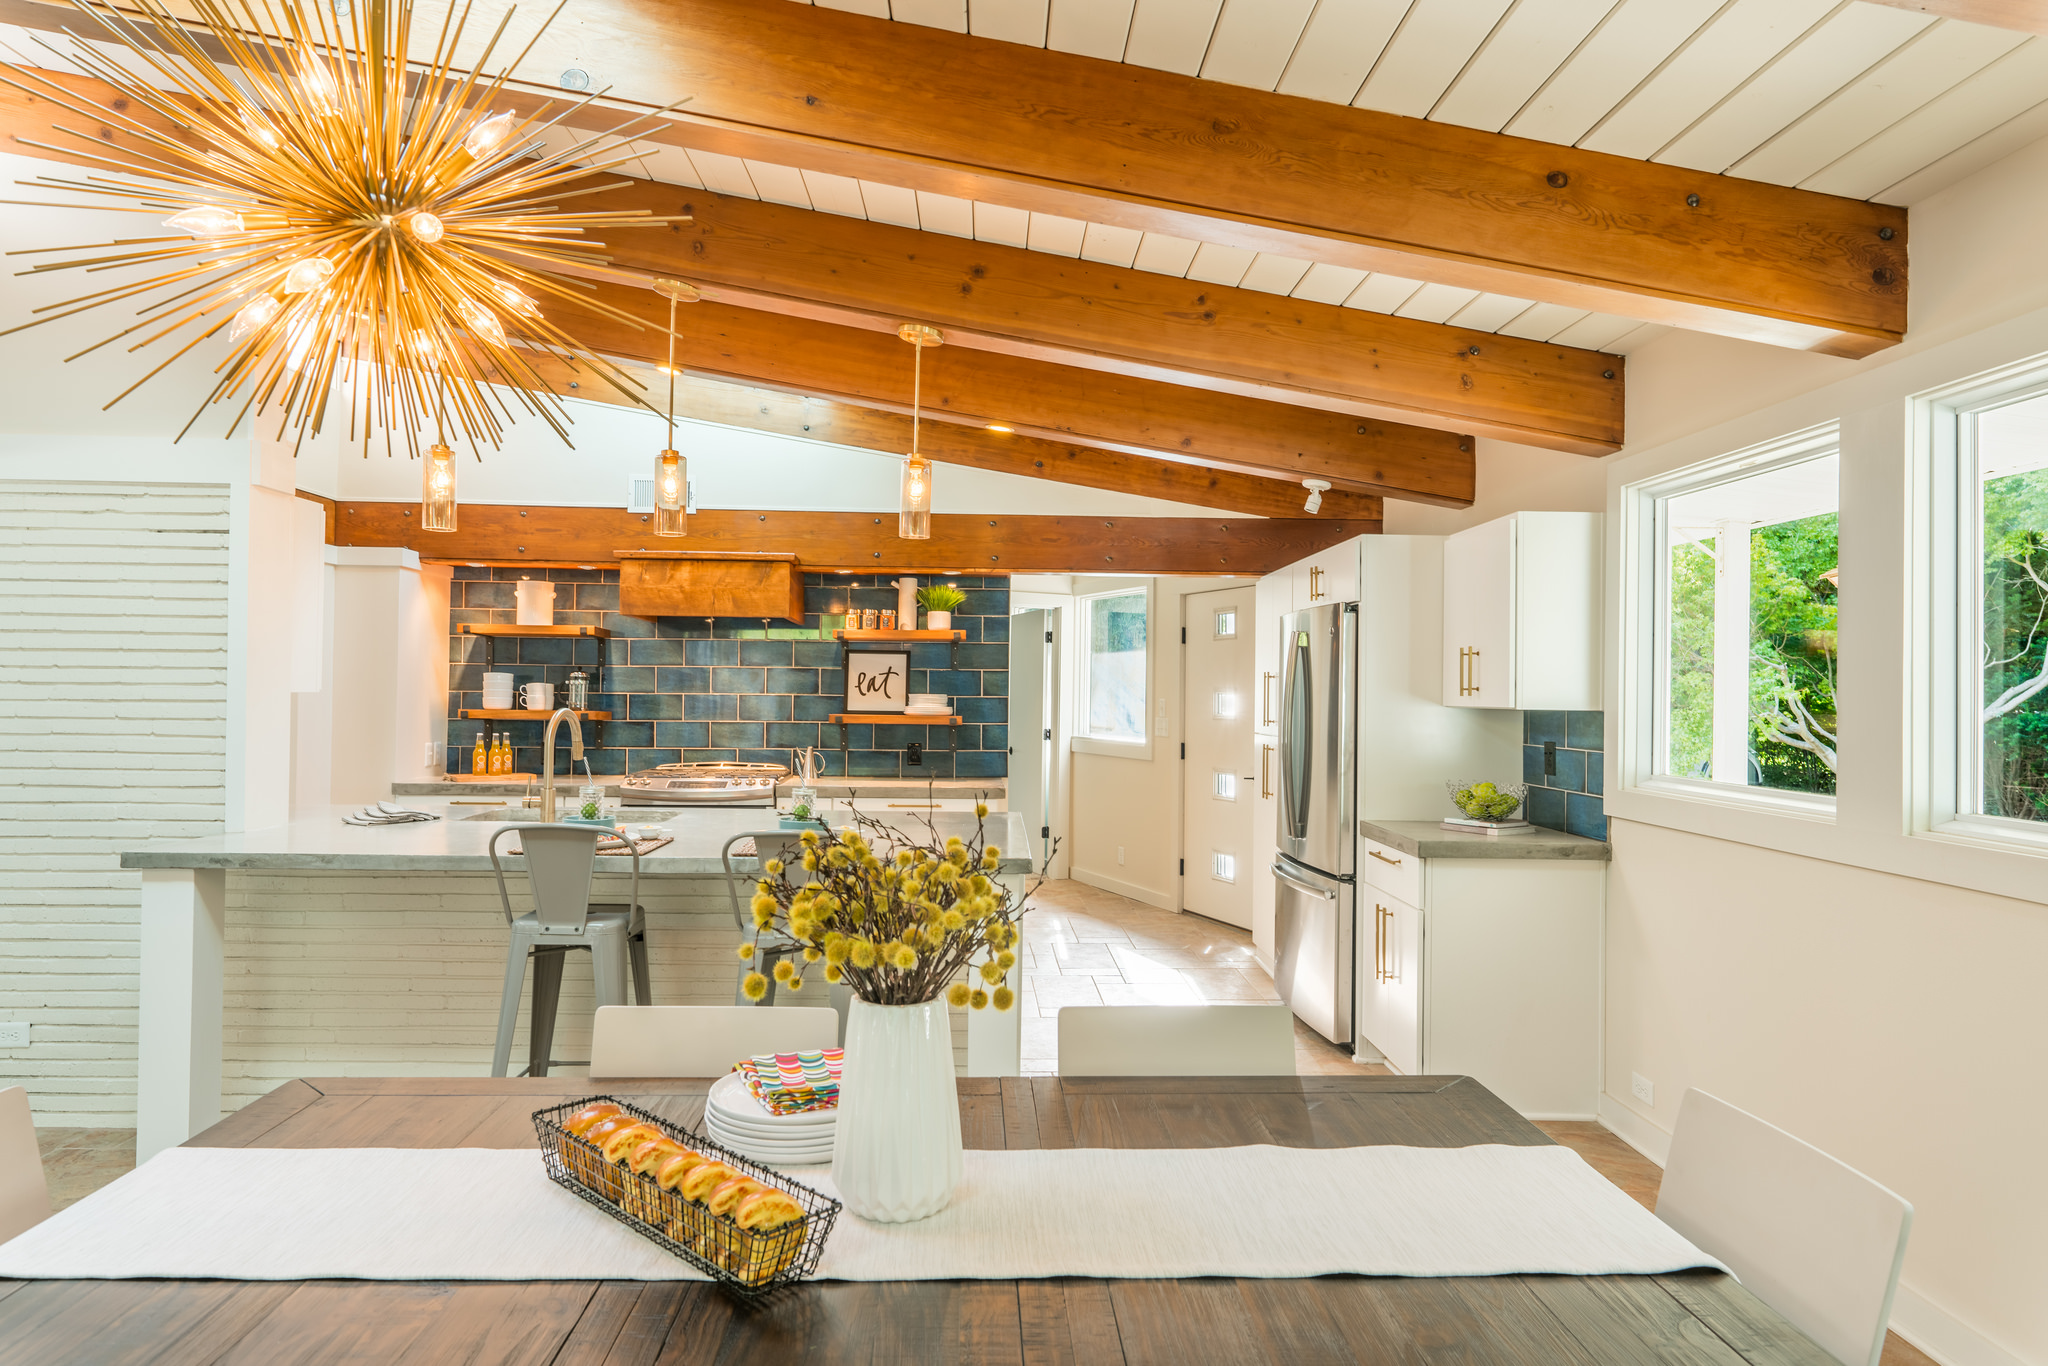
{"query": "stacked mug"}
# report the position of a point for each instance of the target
(497, 692)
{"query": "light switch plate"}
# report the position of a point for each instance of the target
(13, 1033)
(433, 753)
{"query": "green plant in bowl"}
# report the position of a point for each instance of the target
(940, 597)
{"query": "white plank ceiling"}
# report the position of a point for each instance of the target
(1842, 96)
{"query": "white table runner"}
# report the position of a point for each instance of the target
(493, 1214)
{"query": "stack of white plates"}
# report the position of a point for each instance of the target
(733, 1117)
(928, 704)
(497, 692)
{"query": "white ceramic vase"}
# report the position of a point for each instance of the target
(938, 621)
(896, 1146)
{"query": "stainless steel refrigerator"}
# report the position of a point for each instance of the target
(1314, 900)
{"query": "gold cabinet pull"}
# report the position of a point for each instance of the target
(1383, 858)
(1266, 699)
(1265, 770)
(1379, 943)
(1468, 671)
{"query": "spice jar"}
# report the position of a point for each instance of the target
(888, 619)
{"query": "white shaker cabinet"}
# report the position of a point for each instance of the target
(1326, 576)
(1272, 599)
(1522, 598)
(1488, 967)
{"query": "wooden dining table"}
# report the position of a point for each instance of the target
(1697, 1317)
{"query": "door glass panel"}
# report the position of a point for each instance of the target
(1226, 704)
(1226, 625)
(1223, 867)
(1226, 786)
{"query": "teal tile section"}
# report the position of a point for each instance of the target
(685, 688)
(1565, 768)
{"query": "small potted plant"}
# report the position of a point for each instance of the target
(938, 601)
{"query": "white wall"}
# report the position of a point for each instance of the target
(113, 725)
(1873, 993)
(390, 686)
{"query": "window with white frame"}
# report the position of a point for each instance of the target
(1746, 572)
(2002, 644)
(1114, 666)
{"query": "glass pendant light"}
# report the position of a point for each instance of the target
(914, 512)
(671, 471)
(437, 491)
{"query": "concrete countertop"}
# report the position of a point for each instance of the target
(454, 844)
(1428, 839)
(825, 787)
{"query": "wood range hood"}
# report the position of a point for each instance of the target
(711, 583)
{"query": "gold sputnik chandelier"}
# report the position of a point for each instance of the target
(348, 215)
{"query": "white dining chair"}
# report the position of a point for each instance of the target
(24, 1194)
(1813, 1238)
(701, 1041)
(1176, 1041)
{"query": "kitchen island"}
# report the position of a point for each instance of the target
(379, 950)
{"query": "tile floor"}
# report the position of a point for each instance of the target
(1087, 947)
(1082, 946)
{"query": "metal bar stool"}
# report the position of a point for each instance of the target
(560, 863)
(773, 945)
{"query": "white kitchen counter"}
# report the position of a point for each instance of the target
(458, 843)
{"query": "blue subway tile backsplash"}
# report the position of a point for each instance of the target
(692, 688)
(1566, 771)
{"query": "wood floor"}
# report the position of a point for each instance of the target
(1082, 946)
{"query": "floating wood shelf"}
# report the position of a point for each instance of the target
(521, 714)
(856, 718)
(595, 632)
(955, 636)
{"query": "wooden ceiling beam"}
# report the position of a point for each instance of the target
(1112, 143)
(867, 542)
(2022, 16)
(1067, 311)
(809, 418)
(1055, 403)
(1033, 304)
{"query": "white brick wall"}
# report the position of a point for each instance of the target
(387, 974)
(113, 686)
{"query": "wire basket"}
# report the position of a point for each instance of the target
(750, 1265)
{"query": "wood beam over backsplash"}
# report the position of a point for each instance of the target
(966, 543)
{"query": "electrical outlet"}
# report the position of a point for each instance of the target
(13, 1033)
(1642, 1088)
(1119, 855)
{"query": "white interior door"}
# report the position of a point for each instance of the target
(1219, 774)
(1034, 720)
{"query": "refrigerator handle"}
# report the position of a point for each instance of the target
(1300, 886)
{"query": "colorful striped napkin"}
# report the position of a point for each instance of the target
(791, 1083)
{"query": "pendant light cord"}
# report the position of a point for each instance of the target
(671, 372)
(916, 393)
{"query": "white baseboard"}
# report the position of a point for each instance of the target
(1632, 1129)
(1942, 1335)
(1915, 1318)
(1132, 890)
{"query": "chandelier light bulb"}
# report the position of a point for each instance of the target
(316, 83)
(517, 302)
(488, 136)
(424, 347)
(208, 220)
(308, 275)
(671, 494)
(424, 226)
(253, 317)
(259, 130)
(437, 490)
(483, 322)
